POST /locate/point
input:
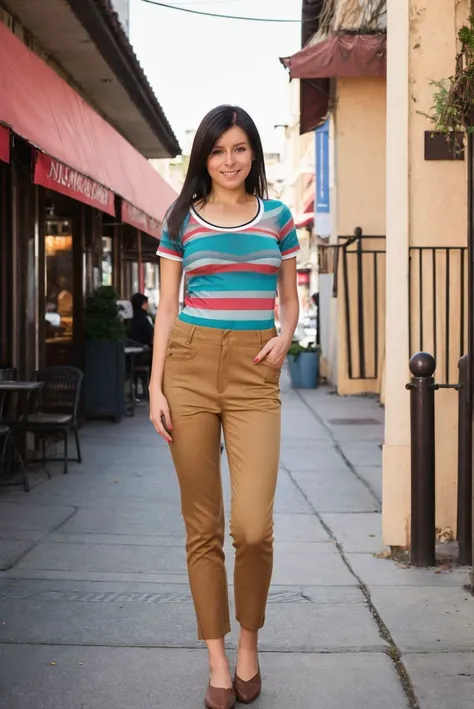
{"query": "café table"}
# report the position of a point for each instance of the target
(23, 391)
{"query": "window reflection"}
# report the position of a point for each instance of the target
(107, 261)
(152, 285)
(59, 280)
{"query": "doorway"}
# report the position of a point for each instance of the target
(62, 251)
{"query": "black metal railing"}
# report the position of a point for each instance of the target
(360, 275)
(438, 305)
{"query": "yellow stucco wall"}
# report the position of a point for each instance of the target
(426, 206)
(360, 129)
(438, 198)
(360, 169)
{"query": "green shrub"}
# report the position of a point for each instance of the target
(297, 348)
(452, 111)
(103, 321)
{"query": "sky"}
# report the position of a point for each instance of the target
(194, 63)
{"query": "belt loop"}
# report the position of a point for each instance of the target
(191, 334)
(260, 340)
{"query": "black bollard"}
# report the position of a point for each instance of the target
(422, 415)
(464, 466)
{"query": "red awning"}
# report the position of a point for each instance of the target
(303, 220)
(42, 108)
(314, 103)
(4, 144)
(133, 216)
(309, 203)
(340, 55)
(56, 176)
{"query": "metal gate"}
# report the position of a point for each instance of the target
(360, 282)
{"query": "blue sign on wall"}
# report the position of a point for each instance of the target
(322, 169)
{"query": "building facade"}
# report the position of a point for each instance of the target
(398, 247)
(81, 205)
(298, 192)
(342, 68)
(427, 274)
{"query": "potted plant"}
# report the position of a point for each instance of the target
(452, 112)
(104, 362)
(303, 362)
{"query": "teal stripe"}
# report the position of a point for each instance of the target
(229, 324)
(232, 243)
(234, 281)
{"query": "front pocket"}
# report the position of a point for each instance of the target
(271, 374)
(179, 351)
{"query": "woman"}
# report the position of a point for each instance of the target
(219, 365)
(141, 329)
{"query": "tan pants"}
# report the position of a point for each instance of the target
(210, 379)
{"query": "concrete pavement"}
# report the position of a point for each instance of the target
(95, 610)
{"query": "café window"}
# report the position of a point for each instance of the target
(152, 285)
(59, 280)
(107, 261)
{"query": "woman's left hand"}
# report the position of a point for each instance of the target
(274, 352)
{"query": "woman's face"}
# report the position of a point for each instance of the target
(230, 161)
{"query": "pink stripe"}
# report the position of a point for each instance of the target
(233, 268)
(289, 226)
(259, 230)
(290, 251)
(231, 303)
(165, 250)
(194, 232)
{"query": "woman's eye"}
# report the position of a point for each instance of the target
(241, 150)
(216, 152)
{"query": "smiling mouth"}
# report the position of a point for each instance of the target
(230, 173)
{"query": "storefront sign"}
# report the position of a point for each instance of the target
(135, 217)
(323, 222)
(59, 177)
(4, 144)
(303, 278)
(322, 169)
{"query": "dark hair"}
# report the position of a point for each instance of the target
(197, 185)
(137, 301)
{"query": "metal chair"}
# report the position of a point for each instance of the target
(56, 410)
(7, 440)
(138, 368)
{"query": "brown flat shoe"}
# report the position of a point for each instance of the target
(219, 698)
(247, 692)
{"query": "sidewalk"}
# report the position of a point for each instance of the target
(95, 610)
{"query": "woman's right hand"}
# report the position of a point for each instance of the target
(160, 416)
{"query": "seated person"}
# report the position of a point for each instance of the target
(141, 329)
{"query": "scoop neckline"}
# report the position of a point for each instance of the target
(239, 227)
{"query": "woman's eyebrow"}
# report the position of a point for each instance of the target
(234, 146)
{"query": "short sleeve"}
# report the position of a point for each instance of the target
(168, 248)
(289, 245)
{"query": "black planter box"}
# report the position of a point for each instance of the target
(104, 379)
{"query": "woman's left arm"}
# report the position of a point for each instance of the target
(275, 351)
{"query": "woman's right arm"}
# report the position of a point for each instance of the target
(170, 280)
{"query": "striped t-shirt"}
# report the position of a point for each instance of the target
(232, 272)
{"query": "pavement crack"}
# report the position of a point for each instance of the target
(338, 448)
(392, 651)
(231, 646)
(15, 560)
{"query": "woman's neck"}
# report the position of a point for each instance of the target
(230, 198)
